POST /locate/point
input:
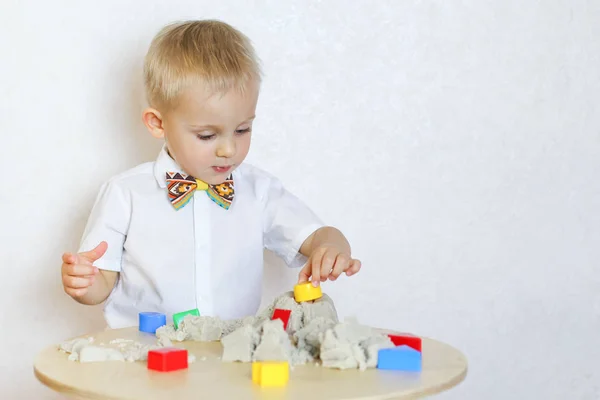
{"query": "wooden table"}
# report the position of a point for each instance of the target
(210, 378)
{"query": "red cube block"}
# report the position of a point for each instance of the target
(406, 339)
(167, 359)
(283, 315)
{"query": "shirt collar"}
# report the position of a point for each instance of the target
(163, 164)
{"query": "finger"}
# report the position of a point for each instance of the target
(316, 267)
(327, 263)
(68, 258)
(80, 270)
(355, 266)
(304, 274)
(342, 263)
(75, 292)
(75, 282)
(94, 254)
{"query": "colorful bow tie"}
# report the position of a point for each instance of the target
(182, 187)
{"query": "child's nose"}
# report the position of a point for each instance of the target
(226, 148)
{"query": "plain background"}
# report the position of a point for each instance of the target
(456, 143)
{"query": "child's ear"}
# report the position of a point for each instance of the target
(153, 121)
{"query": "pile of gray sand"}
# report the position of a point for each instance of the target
(313, 334)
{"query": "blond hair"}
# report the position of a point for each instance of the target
(209, 52)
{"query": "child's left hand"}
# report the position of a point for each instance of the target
(328, 262)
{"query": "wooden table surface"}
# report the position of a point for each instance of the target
(210, 378)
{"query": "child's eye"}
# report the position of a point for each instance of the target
(242, 131)
(205, 137)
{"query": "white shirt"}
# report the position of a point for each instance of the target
(200, 256)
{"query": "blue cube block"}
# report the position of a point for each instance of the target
(151, 321)
(401, 358)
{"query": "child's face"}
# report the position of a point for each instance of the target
(209, 136)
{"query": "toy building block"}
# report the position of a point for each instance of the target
(256, 371)
(283, 315)
(406, 339)
(401, 358)
(307, 292)
(151, 321)
(167, 359)
(270, 373)
(177, 318)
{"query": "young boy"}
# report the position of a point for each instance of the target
(188, 230)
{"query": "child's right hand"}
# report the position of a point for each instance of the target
(78, 271)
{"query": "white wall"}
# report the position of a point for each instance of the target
(456, 143)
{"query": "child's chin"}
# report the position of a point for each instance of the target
(218, 178)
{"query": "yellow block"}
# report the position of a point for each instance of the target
(270, 373)
(256, 372)
(307, 292)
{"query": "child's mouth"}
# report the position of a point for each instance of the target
(221, 170)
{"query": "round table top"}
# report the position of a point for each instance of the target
(208, 377)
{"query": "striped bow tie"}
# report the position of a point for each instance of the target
(182, 187)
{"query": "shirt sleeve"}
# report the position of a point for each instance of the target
(109, 222)
(287, 224)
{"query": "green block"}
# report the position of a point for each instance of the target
(177, 318)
